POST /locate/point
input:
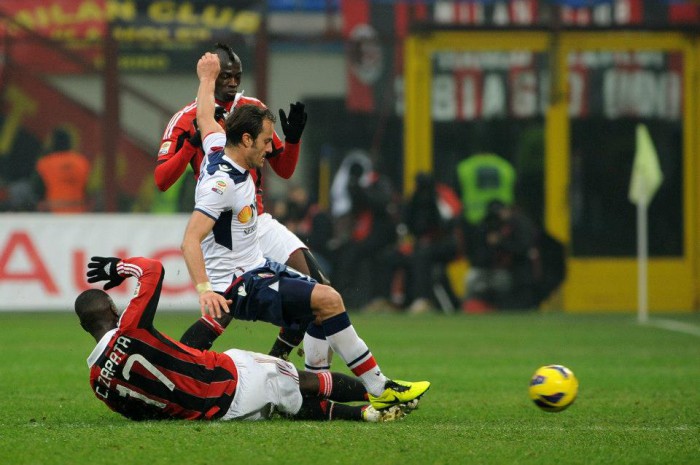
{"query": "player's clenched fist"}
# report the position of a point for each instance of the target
(208, 66)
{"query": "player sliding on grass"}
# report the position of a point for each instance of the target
(143, 374)
(225, 260)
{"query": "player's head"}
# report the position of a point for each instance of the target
(229, 77)
(247, 120)
(251, 128)
(96, 311)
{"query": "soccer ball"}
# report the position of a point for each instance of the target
(553, 388)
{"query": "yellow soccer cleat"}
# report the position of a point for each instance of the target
(399, 392)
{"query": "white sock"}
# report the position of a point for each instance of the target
(317, 354)
(344, 341)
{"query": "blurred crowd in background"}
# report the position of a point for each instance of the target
(383, 252)
(386, 253)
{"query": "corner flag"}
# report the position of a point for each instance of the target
(646, 172)
(646, 179)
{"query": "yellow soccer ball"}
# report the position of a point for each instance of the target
(553, 388)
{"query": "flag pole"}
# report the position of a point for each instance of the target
(642, 261)
(645, 181)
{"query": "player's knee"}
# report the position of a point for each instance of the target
(326, 302)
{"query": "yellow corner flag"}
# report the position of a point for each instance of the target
(646, 172)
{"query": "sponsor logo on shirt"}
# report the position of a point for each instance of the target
(164, 148)
(219, 187)
(266, 275)
(245, 214)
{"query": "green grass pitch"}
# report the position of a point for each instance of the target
(639, 401)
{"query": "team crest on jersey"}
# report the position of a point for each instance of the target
(164, 148)
(245, 214)
(219, 187)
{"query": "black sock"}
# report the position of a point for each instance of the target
(202, 334)
(347, 389)
(344, 412)
(286, 341)
(315, 409)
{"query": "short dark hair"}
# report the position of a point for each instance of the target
(227, 50)
(92, 306)
(246, 119)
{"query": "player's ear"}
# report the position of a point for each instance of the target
(247, 140)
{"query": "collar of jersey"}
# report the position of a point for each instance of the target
(100, 347)
(229, 105)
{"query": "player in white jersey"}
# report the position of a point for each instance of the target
(223, 254)
(225, 188)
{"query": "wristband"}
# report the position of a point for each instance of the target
(204, 287)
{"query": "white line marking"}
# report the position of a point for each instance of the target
(673, 325)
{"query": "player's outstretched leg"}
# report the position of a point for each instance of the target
(339, 387)
(286, 341)
(344, 340)
(203, 332)
(316, 409)
(333, 386)
(400, 392)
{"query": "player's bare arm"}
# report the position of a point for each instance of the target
(208, 68)
(197, 229)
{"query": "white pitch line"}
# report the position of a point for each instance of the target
(677, 326)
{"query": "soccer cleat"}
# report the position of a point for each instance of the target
(372, 415)
(410, 406)
(399, 392)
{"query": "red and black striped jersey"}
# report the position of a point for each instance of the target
(176, 152)
(144, 374)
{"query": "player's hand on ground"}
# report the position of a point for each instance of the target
(213, 304)
(293, 126)
(104, 269)
(208, 66)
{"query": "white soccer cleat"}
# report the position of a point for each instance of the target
(393, 413)
(410, 406)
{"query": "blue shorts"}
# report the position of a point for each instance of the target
(273, 293)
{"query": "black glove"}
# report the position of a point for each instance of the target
(294, 125)
(104, 269)
(220, 115)
(195, 139)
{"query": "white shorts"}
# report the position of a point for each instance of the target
(277, 242)
(266, 385)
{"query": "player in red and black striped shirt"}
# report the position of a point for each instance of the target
(143, 374)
